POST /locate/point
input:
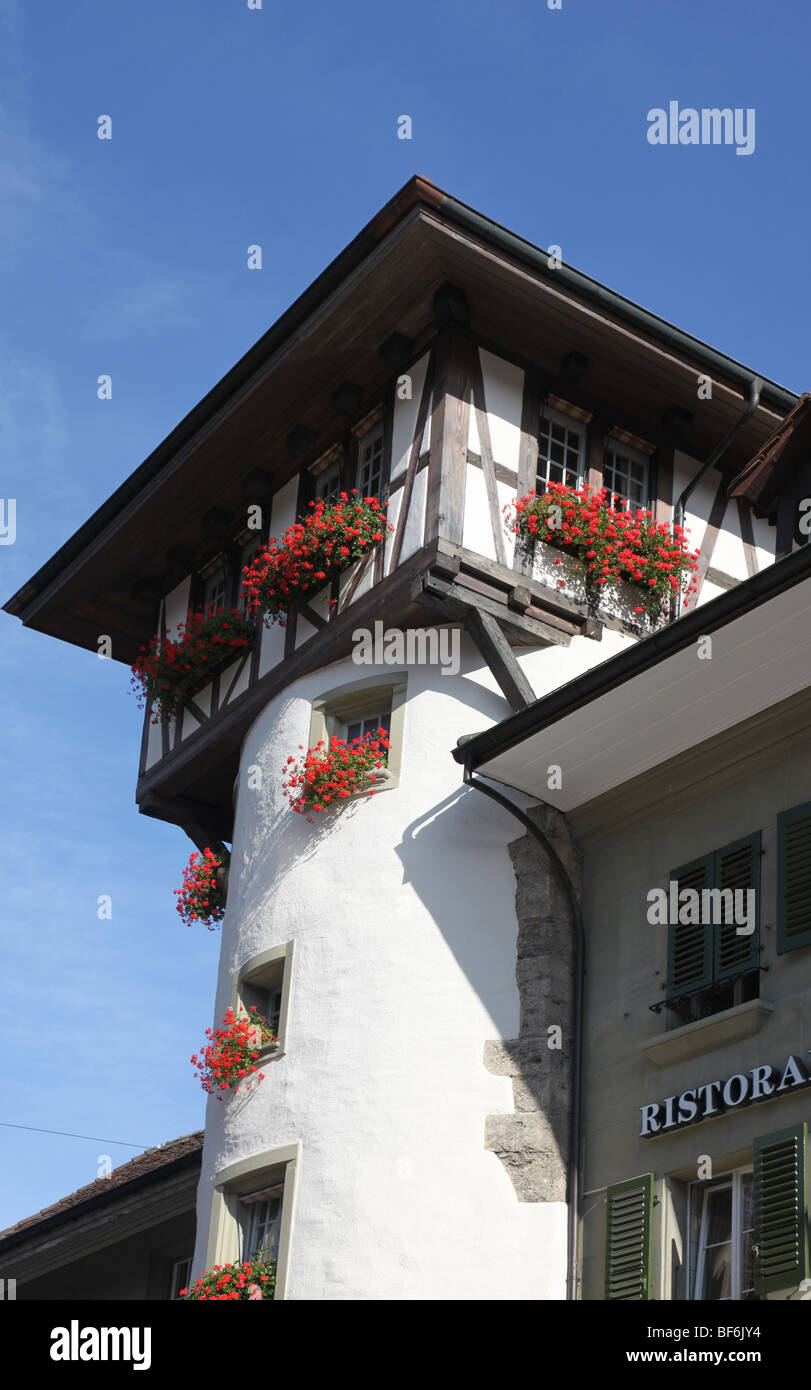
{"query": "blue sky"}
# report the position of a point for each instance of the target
(277, 126)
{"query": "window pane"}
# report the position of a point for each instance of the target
(717, 1282)
(719, 1222)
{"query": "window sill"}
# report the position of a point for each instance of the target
(706, 1034)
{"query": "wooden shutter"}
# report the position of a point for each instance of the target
(737, 866)
(781, 1217)
(689, 948)
(794, 878)
(629, 1212)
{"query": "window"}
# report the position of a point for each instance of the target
(794, 878)
(561, 450)
(181, 1272)
(253, 1209)
(247, 553)
(264, 982)
(214, 589)
(626, 472)
(726, 1260)
(368, 726)
(711, 965)
(370, 462)
(328, 483)
(260, 1222)
(361, 708)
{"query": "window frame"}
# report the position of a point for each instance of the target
(551, 415)
(269, 970)
(734, 1180)
(376, 431)
(715, 977)
(240, 1179)
(615, 445)
(175, 1282)
(358, 698)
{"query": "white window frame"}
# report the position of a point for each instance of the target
(328, 482)
(550, 416)
(248, 1175)
(376, 435)
(733, 1180)
(216, 575)
(250, 1205)
(271, 971)
(337, 709)
(616, 447)
(177, 1280)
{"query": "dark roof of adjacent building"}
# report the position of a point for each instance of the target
(771, 467)
(149, 1166)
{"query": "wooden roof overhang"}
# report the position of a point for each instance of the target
(105, 579)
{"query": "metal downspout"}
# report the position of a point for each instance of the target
(575, 1128)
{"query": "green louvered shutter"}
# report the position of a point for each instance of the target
(738, 866)
(781, 1215)
(794, 878)
(629, 1212)
(689, 948)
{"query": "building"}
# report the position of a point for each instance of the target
(418, 1131)
(129, 1235)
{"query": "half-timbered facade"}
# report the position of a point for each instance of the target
(414, 1124)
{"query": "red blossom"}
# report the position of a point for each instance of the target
(614, 544)
(225, 1061)
(312, 552)
(334, 773)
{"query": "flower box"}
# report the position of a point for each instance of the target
(619, 563)
(232, 1051)
(331, 538)
(329, 775)
(205, 888)
(171, 669)
(250, 1281)
(620, 600)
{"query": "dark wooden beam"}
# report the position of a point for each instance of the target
(451, 306)
(411, 467)
(347, 398)
(500, 657)
(397, 352)
(301, 440)
(488, 464)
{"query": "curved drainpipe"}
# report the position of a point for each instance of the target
(573, 1176)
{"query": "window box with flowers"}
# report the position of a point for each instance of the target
(333, 537)
(205, 888)
(231, 1054)
(249, 1280)
(169, 671)
(336, 770)
(610, 558)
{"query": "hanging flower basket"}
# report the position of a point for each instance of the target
(252, 1280)
(171, 670)
(330, 537)
(231, 1054)
(598, 546)
(205, 887)
(332, 774)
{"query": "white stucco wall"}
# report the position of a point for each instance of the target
(402, 910)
